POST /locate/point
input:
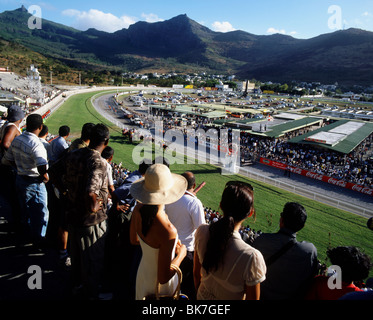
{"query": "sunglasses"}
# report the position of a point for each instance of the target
(239, 183)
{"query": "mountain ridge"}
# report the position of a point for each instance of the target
(180, 43)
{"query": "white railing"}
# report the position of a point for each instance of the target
(326, 199)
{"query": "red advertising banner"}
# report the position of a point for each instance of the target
(316, 176)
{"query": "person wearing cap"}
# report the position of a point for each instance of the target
(8, 132)
(291, 265)
(151, 228)
(11, 128)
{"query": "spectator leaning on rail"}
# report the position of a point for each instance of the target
(29, 156)
(290, 264)
(59, 144)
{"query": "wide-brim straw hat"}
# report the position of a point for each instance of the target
(159, 186)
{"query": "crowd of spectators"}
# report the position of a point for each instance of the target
(356, 167)
(120, 173)
(17, 88)
(248, 234)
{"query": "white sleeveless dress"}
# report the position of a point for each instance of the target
(147, 273)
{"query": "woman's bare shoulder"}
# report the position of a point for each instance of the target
(166, 229)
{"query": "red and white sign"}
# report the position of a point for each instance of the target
(316, 176)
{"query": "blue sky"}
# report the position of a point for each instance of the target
(298, 18)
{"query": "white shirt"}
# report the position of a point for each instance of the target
(242, 265)
(28, 153)
(46, 145)
(110, 174)
(186, 214)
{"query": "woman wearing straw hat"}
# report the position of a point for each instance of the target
(151, 229)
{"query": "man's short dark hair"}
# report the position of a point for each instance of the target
(86, 131)
(100, 134)
(191, 179)
(33, 122)
(355, 264)
(43, 131)
(294, 216)
(143, 166)
(107, 152)
(63, 131)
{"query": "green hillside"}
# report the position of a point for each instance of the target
(181, 43)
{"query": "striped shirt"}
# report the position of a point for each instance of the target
(28, 153)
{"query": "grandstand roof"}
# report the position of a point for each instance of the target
(274, 128)
(241, 123)
(341, 136)
(234, 109)
(279, 130)
(189, 110)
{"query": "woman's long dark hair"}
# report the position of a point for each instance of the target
(148, 213)
(237, 204)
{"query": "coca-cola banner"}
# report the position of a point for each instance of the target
(316, 176)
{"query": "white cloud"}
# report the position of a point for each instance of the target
(98, 20)
(151, 17)
(71, 12)
(222, 26)
(274, 30)
(281, 31)
(367, 14)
